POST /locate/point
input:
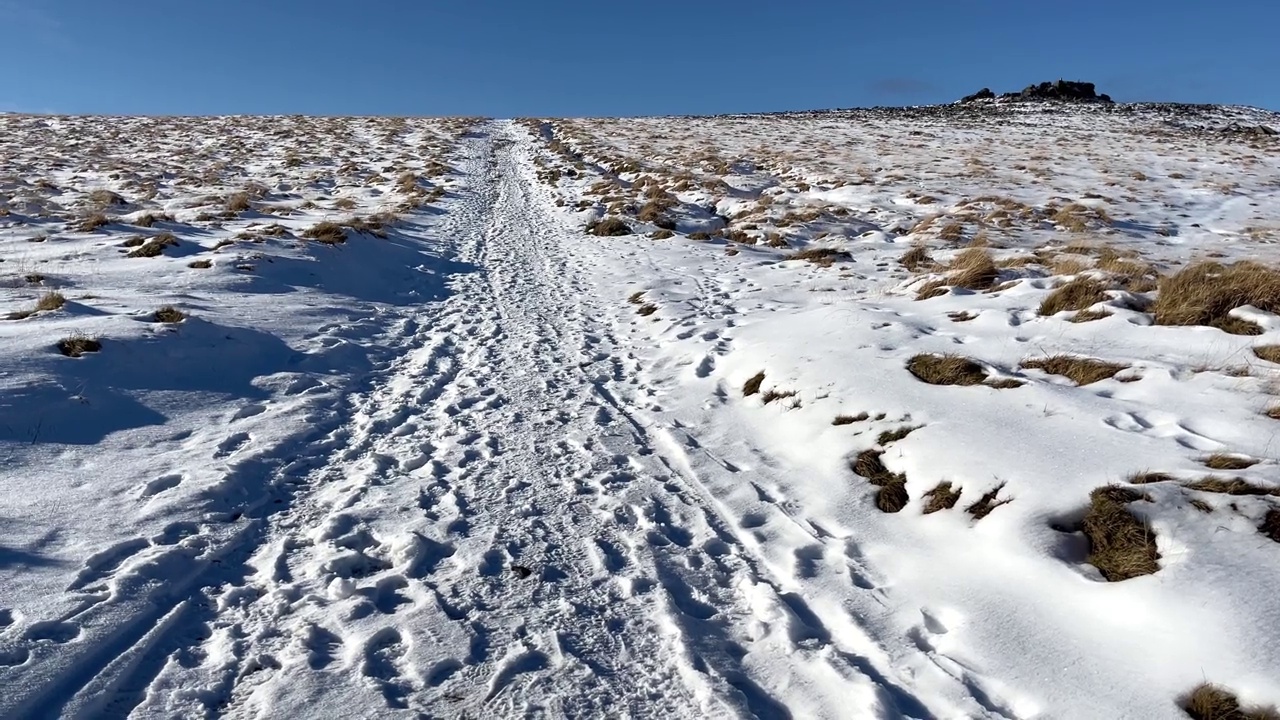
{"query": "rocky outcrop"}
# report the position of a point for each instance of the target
(1060, 91)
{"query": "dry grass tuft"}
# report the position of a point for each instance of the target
(78, 344)
(973, 269)
(1270, 353)
(1120, 545)
(327, 233)
(1079, 294)
(155, 246)
(917, 259)
(92, 222)
(822, 257)
(932, 289)
(1081, 371)
(889, 436)
(646, 310)
(1085, 316)
(609, 227)
(169, 314)
(771, 395)
(50, 301)
(946, 369)
(849, 419)
(1214, 702)
(200, 264)
(239, 202)
(1206, 292)
(1230, 486)
(1270, 526)
(1147, 478)
(1223, 461)
(892, 496)
(989, 501)
(752, 385)
(941, 497)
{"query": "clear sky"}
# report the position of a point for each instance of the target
(573, 57)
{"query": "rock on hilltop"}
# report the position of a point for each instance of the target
(1062, 90)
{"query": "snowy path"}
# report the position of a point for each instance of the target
(508, 525)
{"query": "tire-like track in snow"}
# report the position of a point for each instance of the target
(499, 534)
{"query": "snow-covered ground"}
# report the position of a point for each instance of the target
(465, 459)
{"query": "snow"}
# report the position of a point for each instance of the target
(452, 471)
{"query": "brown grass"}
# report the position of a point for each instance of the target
(327, 233)
(973, 269)
(989, 501)
(92, 222)
(1147, 477)
(752, 385)
(771, 395)
(200, 264)
(646, 310)
(154, 247)
(78, 344)
(1223, 461)
(822, 257)
(50, 301)
(609, 227)
(946, 369)
(1079, 294)
(849, 419)
(1081, 371)
(169, 314)
(941, 497)
(889, 436)
(1085, 316)
(892, 496)
(1270, 353)
(1270, 526)
(917, 259)
(1230, 486)
(1205, 293)
(1120, 545)
(932, 289)
(239, 202)
(1214, 702)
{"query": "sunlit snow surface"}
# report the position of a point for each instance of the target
(453, 472)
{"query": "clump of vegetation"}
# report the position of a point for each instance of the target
(1223, 461)
(169, 314)
(917, 259)
(78, 344)
(50, 301)
(849, 419)
(1205, 293)
(942, 497)
(989, 501)
(238, 202)
(1120, 545)
(771, 395)
(609, 227)
(326, 233)
(155, 246)
(1270, 526)
(1229, 486)
(1147, 477)
(646, 310)
(1085, 316)
(1081, 371)
(200, 264)
(1079, 294)
(822, 257)
(892, 496)
(946, 369)
(890, 436)
(752, 385)
(1270, 353)
(973, 269)
(92, 222)
(1214, 702)
(663, 234)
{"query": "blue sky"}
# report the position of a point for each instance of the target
(571, 57)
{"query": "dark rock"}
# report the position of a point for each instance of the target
(1060, 91)
(983, 94)
(1259, 131)
(521, 571)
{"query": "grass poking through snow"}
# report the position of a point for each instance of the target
(1121, 546)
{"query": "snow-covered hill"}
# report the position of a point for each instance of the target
(965, 411)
